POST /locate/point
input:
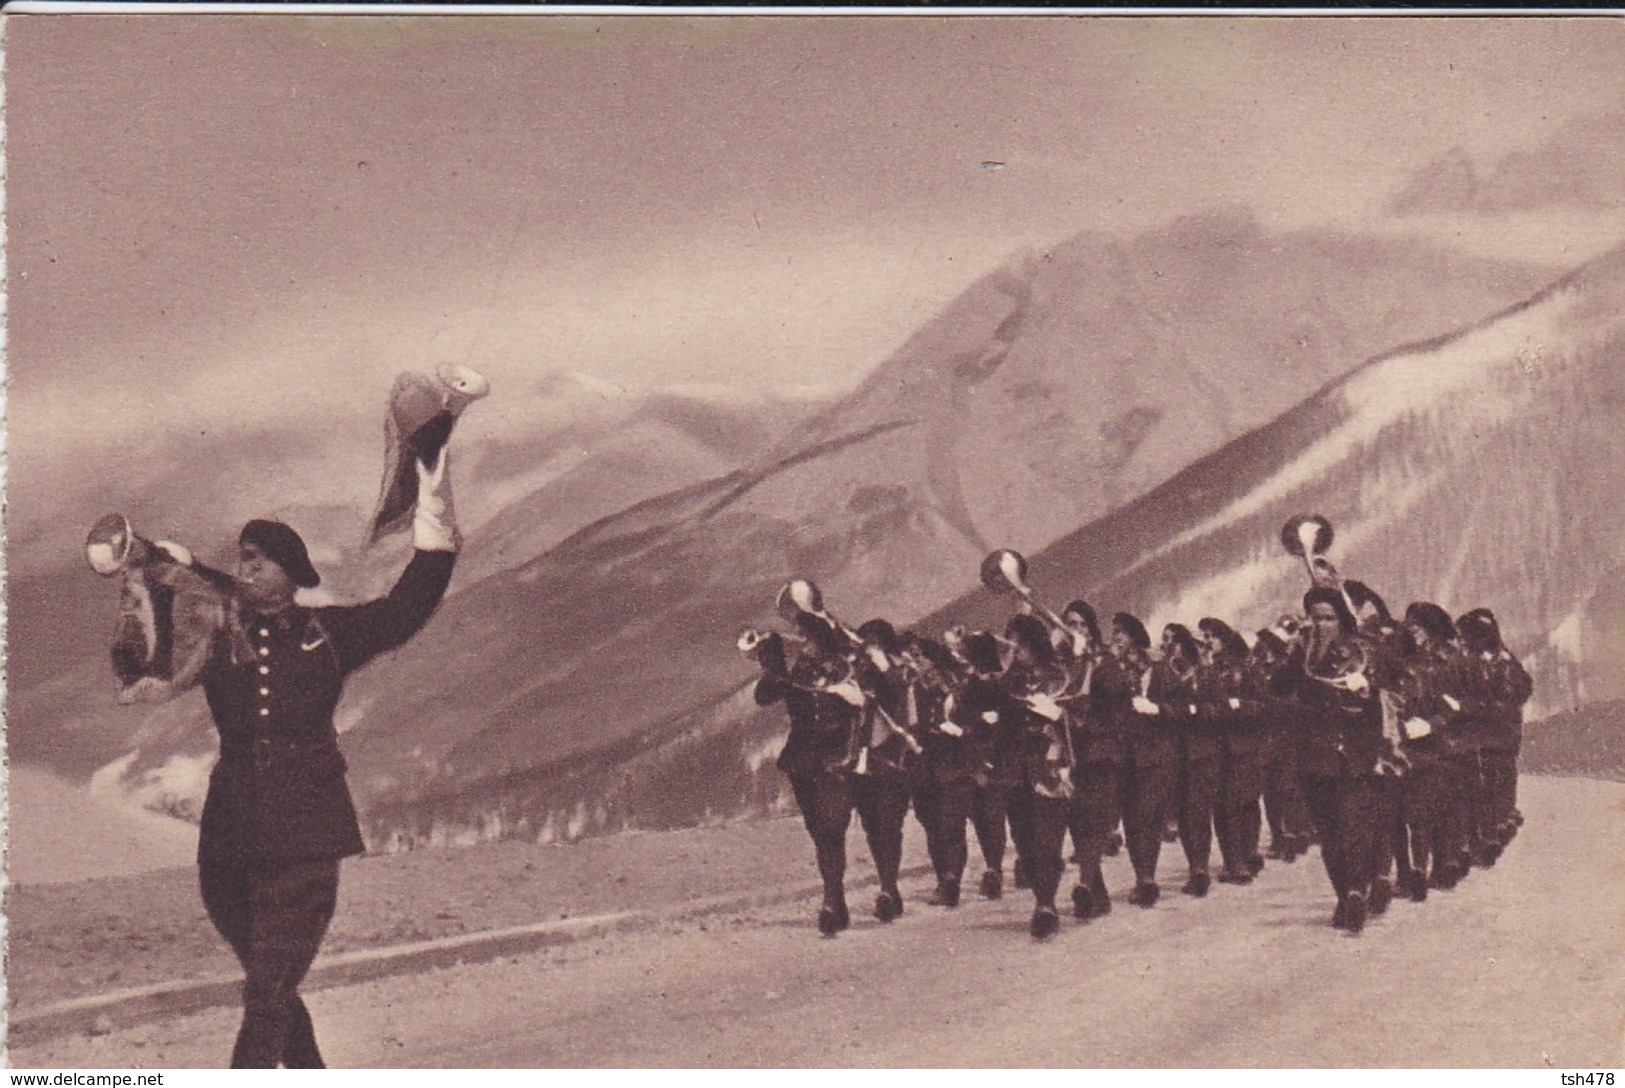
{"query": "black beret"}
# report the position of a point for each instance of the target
(1479, 628)
(1229, 641)
(1327, 595)
(1082, 609)
(1182, 639)
(1431, 618)
(280, 544)
(982, 652)
(1133, 628)
(881, 633)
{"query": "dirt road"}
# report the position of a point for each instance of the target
(1522, 965)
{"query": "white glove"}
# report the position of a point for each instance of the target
(1146, 706)
(434, 522)
(878, 658)
(847, 691)
(1235, 703)
(1450, 701)
(1358, 683)
(991, 717)
(1044, 706)
(951, 729)
(180, 553)
(1416, 728)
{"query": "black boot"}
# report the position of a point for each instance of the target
(1382, 893)
(1197, 885)
(1083, 904)
(1044, 923)
(946, 895)
(888, 905)
(992, 884)
(1355, 911)
(832, 918)
(1099, 897)
(1145, 894)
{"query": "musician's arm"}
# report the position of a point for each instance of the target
(771, 689)
(362, 632)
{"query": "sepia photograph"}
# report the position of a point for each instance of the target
(884, 540)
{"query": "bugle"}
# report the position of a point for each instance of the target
(1309, 536)
(803, 596)
(1005, 571)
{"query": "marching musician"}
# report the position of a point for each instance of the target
(1035, 745)
(1132, 691)
(278, 817)
(825, 707)
(978, 712)
(1232, 701)
(1339, 741)
(1379, 632)
(1423, 716)
(881, 790)
(943, 763)
(1445, 670)
(1200, 746)
(1098, 748)
(1498, 686)
(1289, 824)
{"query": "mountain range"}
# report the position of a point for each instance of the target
(1477, 467)
(1138, 415)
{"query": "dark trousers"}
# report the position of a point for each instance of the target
(1283, 795)
(1093, 815)
(1421, 834)
(1500, 775)
(1039, 826)
(1198, 799)
(1237, 819)
(1461, 787)
(943, 808)
(1148, 791)
(274, 916)
(1344, 814)
(826, 802)
(1388, 808)
(882, 803)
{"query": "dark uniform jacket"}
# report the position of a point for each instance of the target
(1497, 687)
(1033, 744)
(272, 683)
(1340, 730)
(1150, 740)
(1097, 734)
(888, 693)
(988, 716)
(1231, 704)
(822, 725)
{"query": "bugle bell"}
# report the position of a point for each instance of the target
(1308, 536)
(1005, 571)
(802, 596)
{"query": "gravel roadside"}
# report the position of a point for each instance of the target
(89, 937)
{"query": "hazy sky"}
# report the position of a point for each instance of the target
(266, 216)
